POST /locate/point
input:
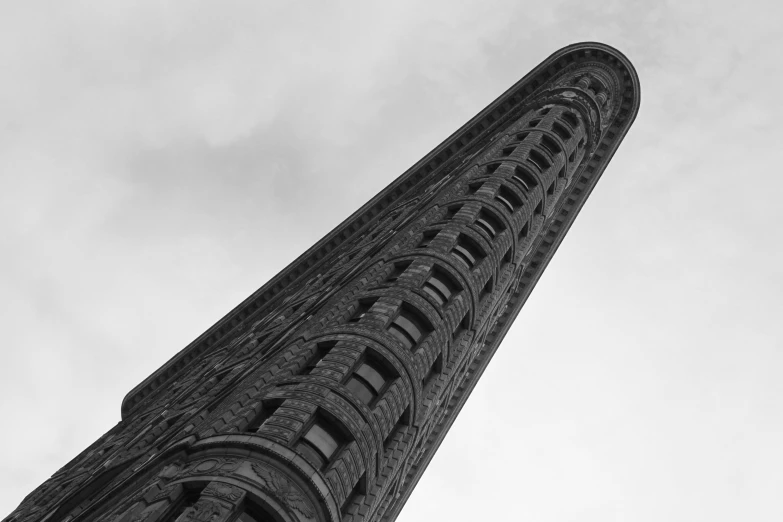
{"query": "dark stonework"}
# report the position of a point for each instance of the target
(324, 395)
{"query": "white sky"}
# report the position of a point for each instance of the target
(159, 161)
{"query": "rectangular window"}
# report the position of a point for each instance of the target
(362, 308)
(268, 408)
(474, 187)
(451, 212)
(397, 271)
(435, 370)
(368, 380)
(320, 442)
(467, 251)
(187, 499)
(410, 326)
(399, 426)
(427, 238)
(487, 289)
(524, 231)
(321, 350)
(359, 490)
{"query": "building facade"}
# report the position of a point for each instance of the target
(324, 395)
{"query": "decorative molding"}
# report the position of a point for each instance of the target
(279, 486)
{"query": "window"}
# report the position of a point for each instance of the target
(522, 135)
(434, 371)
(397, 270)
(427, 238)
(487, 289)
(254, 513)
(508, 199)
(186, 500)
(551, 190)
(508, 151)
(535, 122)
(550, 145)
(362, 308)
(561, 172)
(368, 380)
(544, 111)
(321, 442)
(561, 131)
(467, 251)
(451, 211)
(489, 223)
(571, 119)
(572, 156)
(474, 187)
(441, 286)
(321, 350)
(359, 489)
(539, 208)
(492, 168)
(524, 231)
(508, 256)
(463, 326)
(268, 408)
(525, 178)
(539, 160)
(399, 426)
(410, 326)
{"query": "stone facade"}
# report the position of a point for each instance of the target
(324, 395)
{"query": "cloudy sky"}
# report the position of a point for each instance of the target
(159, 161)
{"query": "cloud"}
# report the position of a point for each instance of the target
(160, 161)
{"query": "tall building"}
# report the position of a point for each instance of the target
(325, 394)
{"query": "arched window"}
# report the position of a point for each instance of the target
(468, 251)
(525, 178)
(550, 145)
(539, 160)
(410, 326)
(441, 286)
(561, 131)
(509, 199)
(489, 223)
(571, 119)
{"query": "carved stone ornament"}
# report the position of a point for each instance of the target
(282, 488)
(212, 466)
(204, 511)
(223, 491)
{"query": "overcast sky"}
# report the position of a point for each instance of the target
(159, 161)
